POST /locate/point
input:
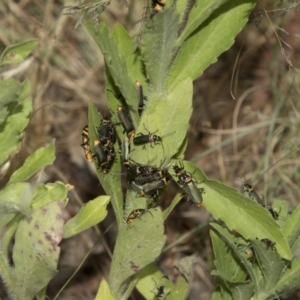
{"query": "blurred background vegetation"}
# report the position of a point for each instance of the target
(246, 118)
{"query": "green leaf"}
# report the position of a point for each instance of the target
(10, 90)
(6, 276)
(199, 13)
(16, 198)
(226, 294)
(217, 295)
(296, 247)
(17, 53)
(5, 219)
(166, 117)
(291, 229)
(172, 127)
(212, 38)
(126, 45)
(289, 281)
(36, 250)
(113, 103)
(169, 290)
(151, 279)
(116, 63)
(104, 291)
(42, 294)
(134, 64)
(280, 206)
(47, 193)
(182, 149)
(16, 122)
(89, 215)
(183, 8)
(3, 114)
(183, 287)
(228, 267)
(241, 291)
(270, 263)
(224, 202)
(9, 232)
(136, 247)
(133, 202)
(147, 280)
(158, 43)
(39, 159)
(230, 241)
(111, 182)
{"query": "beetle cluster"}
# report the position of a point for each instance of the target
(145, 180)
(104, 151)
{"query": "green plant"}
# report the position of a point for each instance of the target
(31, 212)
(167, 59)
(174, 48)
(269, 274)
